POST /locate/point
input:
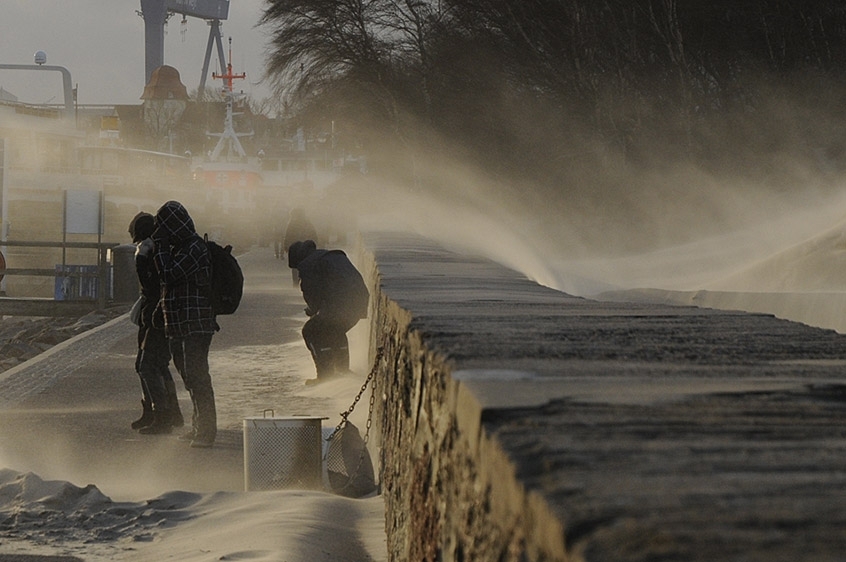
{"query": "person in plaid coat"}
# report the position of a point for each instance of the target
(184, 265)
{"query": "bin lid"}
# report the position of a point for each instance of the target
(284, 421)
(287, 418)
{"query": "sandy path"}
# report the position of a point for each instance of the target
(74, 427)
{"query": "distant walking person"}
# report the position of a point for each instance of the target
(336, 299)
(278, 241)
(160, 405)
(184, 266)
(299, 229)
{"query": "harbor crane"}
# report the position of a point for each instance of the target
(156, 14)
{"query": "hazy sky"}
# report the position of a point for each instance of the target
(101, 43)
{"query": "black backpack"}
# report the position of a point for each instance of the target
(346, 286)
(227, 280)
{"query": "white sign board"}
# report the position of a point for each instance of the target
(82, 212)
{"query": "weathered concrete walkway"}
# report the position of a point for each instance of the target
(520, 423)
(65, 414)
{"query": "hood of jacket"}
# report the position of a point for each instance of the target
(300, 251)
(174, 219)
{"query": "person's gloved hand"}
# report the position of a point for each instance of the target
(145, 247)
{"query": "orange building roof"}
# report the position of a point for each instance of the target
(165, 85)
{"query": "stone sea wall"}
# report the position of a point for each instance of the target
(451, 492)
(518, 423)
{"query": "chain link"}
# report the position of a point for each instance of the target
(345, 415)
(370, 414)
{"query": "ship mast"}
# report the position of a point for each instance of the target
(229, 138)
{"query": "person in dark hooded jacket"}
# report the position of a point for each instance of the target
(184, 265)
(299, 229)
(336, 299)
(160, 405)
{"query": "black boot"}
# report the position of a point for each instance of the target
(341, 360)
(324, 363)
(176, 419)
(161, 423)
(146, 416)
(205, 419)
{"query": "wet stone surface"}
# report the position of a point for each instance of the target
(24, 337)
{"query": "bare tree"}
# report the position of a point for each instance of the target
(513, 82)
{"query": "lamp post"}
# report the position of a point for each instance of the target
(40, 66)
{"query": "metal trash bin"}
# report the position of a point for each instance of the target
(283, 452)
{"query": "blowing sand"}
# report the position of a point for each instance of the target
(154, 499)
(76, 483)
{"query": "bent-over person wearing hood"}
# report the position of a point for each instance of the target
(336, 299)
(184, 265)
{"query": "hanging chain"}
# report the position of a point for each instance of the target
(352, 480)
(369, 414)
(346, 415)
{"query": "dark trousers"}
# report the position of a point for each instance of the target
(152, 366)
(326, 339)
(191, 357)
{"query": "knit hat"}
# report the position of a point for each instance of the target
(142, 226)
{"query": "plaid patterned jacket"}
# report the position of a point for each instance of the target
(184, 265)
